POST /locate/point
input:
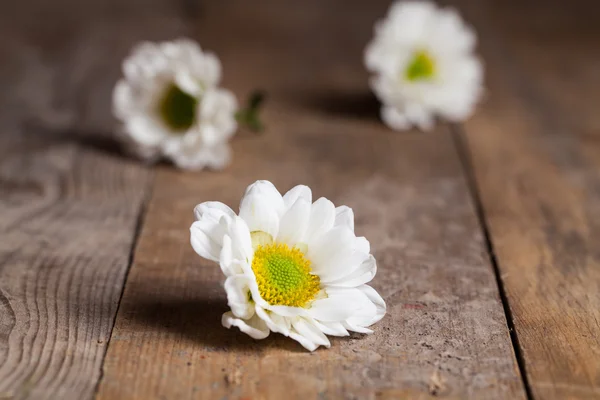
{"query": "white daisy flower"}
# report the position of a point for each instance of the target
(291, 266)
(424, 65)
(171, 106)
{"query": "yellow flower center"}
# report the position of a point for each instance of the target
(421, 67)
(177, 109)
(283, 275)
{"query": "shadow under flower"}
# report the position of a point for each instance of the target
(198, 320)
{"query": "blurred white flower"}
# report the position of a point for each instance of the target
(171, 107)
(424, 65)
(292, 266)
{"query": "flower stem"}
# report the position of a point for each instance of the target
(249, 116)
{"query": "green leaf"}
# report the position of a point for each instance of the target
(249, 117)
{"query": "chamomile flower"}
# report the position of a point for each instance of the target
(292, 266)
(171, 107)
(424, 65)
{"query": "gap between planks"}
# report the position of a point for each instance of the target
(138, 229)
(466, 159)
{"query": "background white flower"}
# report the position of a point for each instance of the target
(424, 65)
(292, 266)
(171, 106)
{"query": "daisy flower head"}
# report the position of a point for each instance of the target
(292, 266)
(170, 105)
(423, 64)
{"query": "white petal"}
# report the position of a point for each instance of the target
(306, 343)
(253, 327)
(241, 240)
(376, 299)
(145, 62)
(211, 69)
(202, 243)
(283, 323)
(218, 157)
(356, 328)
(206, 238)
(344, 216)
(303, 247)
(394, 118)
(229, 266)
(410, 20)
(266, 192)
(363, 274)
(217, 115)
(144, 130)
(213, 209)
(339, 306)
(260, 238)
(322, 217)
(420, 116)
(372, 56)
(187, 82)
(260, 302)
(261, 217)
(309, 331)
(286, 311)
(343, 266)
(180, 49)
(261, 207)
(276, 323)
(294, 222)
(226, 256)
(207, 233)
(334, 254)
(363, 245)
(124, 105)
(205, 144)
(450, 35)
(237, 290)
(372, 308)
(295, 193)
(210, 134)
(193, 154)
(205, 67)
(331, 328)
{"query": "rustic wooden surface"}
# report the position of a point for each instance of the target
(535, 146)
(67, 220)
(445, 333)
(502, 209)
(69, 205)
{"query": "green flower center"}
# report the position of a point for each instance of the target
(283, 275)
(177, 109)
(421, 67)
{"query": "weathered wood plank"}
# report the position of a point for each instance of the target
(445, 333)
(68, 213)
(68, 218)
(535, 150)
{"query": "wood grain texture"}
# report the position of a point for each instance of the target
(69, 203)
(68, 218)
(535, 147)
(445, 333)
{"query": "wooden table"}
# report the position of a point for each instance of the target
(486, 233)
